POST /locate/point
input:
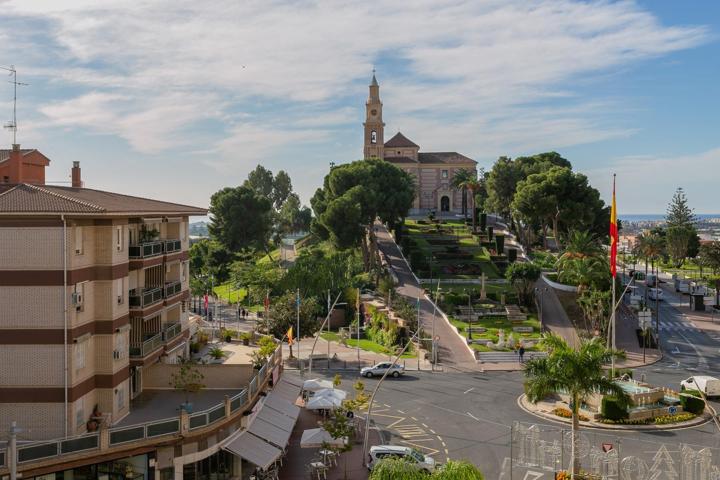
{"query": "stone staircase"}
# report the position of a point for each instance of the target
(506, 357)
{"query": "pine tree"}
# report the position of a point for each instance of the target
(679, 214)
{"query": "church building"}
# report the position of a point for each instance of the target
(433, 171)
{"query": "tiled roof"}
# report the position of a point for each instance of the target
(399, 140)
(24, 198)
(400, 160)
(445, 157)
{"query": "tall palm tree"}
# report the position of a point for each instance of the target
(460, 180)
(577, 372)
(473, 185)
(586, 272)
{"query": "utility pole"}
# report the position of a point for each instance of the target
(328, 330)
(434, 340)
(297, 304)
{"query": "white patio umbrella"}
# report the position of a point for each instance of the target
(317, 437)
(316, 384)
(323, 403)
(331, 392)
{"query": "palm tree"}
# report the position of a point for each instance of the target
(586, 272)
(473, 185)
(580, 244)
(579, 373)
(460, 180)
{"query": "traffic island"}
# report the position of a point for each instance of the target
(558, 411)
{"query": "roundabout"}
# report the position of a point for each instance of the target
(544, 410)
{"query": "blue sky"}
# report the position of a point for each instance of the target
(177, 99)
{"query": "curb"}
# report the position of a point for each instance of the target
(695, 422)
(442, 314)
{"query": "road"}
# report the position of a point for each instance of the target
(452, 351)
(455, 415)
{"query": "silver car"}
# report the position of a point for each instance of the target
(380, 369)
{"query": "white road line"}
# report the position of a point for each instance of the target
(473, 417)
(469, 390)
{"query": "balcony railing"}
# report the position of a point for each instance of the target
(172, 288)
(172, 246)
(141, 350)
(172, 331)
(141, 298)
(166, 428)
(146, 249)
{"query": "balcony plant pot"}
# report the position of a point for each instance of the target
(228, 338)
(92, 425)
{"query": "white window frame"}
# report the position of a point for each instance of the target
(80, 355)
(119, 244)
(80, 412)
(80, 289)
(79, 247)
(120, 291)
(445, 174)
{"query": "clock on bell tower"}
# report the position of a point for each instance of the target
(374, 126)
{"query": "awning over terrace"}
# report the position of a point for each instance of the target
(270, 428)
(253, 449)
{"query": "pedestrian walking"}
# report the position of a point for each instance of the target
(521, 353)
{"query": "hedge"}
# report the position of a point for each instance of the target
(611, 409)
(691, 403)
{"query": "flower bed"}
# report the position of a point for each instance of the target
(565, 413)
(662, 420)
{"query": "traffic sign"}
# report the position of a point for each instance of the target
(672, 410)
(606, 447)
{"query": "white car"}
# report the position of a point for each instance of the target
(710, 386)
(655, 294)
(380, 452)
(380, 369)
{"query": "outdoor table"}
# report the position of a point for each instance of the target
(319, 468)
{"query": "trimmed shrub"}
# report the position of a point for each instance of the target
(512, 255)
(490, 232)
(483, 221)
(500, 243)
(611, 409)
(692, 404)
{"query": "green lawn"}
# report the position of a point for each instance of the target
(494, 325)
(366, 345)
(274, 257)
(229, 293)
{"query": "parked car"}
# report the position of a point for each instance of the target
(655, 294)
(710, 386)
(380, 369)
(381, 452)
(652, 279)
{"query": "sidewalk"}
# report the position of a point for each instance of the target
(346, 358)
(295, 464)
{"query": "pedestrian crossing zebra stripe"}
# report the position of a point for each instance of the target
(681, 327)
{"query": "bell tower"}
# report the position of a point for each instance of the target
(374, 126)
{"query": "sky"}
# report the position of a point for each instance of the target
(175, 99)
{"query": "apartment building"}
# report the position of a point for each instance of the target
(93, 293)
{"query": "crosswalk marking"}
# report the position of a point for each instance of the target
(678, 326)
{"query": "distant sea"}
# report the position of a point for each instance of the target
(654, 217)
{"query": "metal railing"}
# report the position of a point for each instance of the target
(172, 331)
(146, 249)
(148, 346)
(172, 246)
(143, 431)
(141, 298)
(172, 288)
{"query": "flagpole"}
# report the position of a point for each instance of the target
(298, 336)
(613, 253)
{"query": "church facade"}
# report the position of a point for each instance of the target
(433, 171)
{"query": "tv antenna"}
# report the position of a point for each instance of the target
(12, 125)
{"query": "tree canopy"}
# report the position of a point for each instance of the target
(355, 194)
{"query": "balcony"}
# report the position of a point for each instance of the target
(142, 350)
(172, 246)
(172, 288)
(171, 331)
(141, 298)
(146, 249)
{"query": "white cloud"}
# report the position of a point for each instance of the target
(698, 174)
(257, 76)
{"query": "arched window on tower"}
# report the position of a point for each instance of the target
(373, 136)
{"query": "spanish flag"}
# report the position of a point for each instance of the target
(290, 336)
(613, 234)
